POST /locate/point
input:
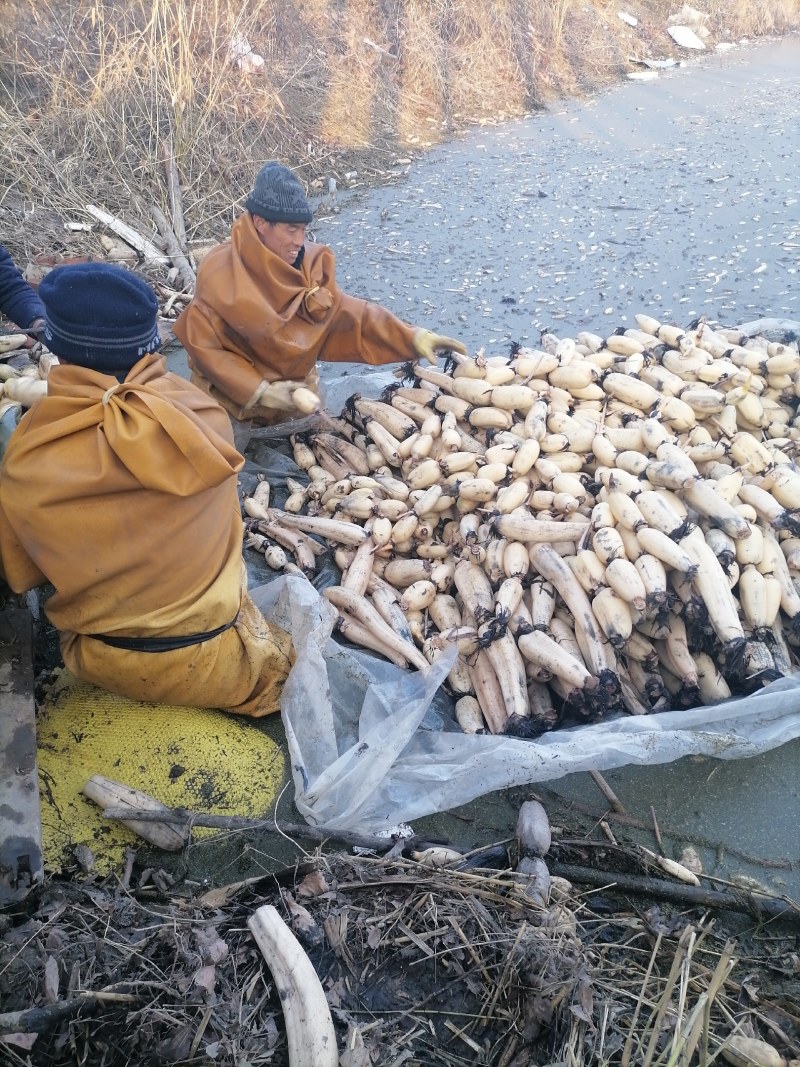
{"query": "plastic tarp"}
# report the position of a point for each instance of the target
(368, 751)
(373, 746)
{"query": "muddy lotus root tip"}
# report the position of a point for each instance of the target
(533, 829)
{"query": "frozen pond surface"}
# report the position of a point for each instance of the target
(677, 196)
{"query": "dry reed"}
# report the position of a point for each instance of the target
(440, 967)
(92, 92)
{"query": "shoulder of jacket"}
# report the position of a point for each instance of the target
(218, 254)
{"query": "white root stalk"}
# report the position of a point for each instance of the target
(355, 631)
(359, 572)
(475, 589)
(488, 693)
(458, 677)
(294, 541)
(677, 870)
(387, 605)
(275, 557)
(107, 793)
(360, 608)
(468, 715)
(330, 459)
(712, 586)
(531, 530)
(254, 508)
(309, 1028)
(613, 614)
(707, 501)
(306, 401)
(546, 653)
(635, 701)
(658, 544)
(540, 701)
(344, 533)
(509, 667)
(398, 424)
(713, 687)
(594, 650)
(542, 603)
(348, 452)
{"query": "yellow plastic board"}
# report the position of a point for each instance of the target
(194, 758)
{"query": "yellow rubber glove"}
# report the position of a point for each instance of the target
(426, 344)
(291, 397)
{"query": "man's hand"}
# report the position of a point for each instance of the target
(35, 332)
(426, 344)
(291, 397)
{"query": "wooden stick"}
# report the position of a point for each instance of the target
(175, 199)
(166, 835)
(607, 831)
(45, 1016)
(173, 248)
(657, 831)
(129, 235)
(751, 903)
(607, 792)
(188, 819)
(130, 859)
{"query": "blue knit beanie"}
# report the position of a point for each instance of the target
(99, 316)
(278, 196)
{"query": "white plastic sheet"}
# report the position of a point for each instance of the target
(361, 761)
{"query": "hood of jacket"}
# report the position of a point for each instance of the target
(155, 427)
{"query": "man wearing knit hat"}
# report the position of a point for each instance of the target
(119, 488)
(267, 307)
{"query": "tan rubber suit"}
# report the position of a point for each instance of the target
(256, 319)
(124, 497)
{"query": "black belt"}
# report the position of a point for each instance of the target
(161, 644)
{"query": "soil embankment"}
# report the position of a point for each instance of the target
(97, 97)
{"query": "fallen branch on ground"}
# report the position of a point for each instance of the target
(745, 901)
(242, 822)
(175, 198)
(45, 1016)
(172, 245)
(144, 247)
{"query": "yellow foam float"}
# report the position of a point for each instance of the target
(195, 758)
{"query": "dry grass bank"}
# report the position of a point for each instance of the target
(96, 92)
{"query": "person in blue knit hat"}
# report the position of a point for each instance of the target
(18, 300)
(119, 488)
(99, 316)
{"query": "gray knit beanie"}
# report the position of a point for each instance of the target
(278, 196)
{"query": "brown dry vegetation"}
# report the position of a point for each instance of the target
(93, 91)
(423, 967)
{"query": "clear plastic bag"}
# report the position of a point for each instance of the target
(363, 760)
